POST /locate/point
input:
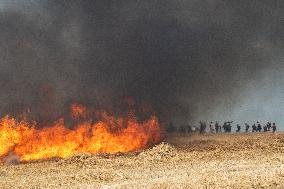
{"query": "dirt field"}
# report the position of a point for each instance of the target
(209, 161)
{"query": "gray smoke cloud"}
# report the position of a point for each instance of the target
(188, 60)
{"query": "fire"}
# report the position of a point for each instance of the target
(109, 134)
(78, 110)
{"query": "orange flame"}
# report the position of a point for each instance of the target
(78, 110)
(109, 135)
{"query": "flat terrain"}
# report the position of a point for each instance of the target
(254, 160)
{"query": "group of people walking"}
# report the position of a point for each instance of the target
(227, 127)
(218, 128)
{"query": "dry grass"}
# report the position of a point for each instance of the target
(209, 161)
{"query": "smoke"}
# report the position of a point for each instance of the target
(11, 159)
(188, 60)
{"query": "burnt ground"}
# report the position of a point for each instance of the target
(253, 160)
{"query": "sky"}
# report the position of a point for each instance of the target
(185, 60)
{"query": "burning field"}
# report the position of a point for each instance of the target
(207, 161)
(88, 89)
(109, 134)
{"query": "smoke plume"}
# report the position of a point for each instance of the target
(185, 60)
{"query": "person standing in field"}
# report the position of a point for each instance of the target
(217, 127)
(259, 127)
(238, 128)
(247, 127)
(253, 128)
(265, 128)
(273, 127)
(268, 126)
(202, 127)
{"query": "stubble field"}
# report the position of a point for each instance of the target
(253, 160)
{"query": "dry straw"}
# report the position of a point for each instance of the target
(254, 160)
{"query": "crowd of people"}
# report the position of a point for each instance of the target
(218, 128)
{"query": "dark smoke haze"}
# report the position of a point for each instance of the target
(188, 60)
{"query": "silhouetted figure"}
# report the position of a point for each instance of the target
(247, 127)
(230, 126)
(238, 128)
(217, 126)
(265, 128)
(253, 128)
(211, 126)
(259, 128)
(227, 126)
(202, 127)
(268, 126)
(273, 127)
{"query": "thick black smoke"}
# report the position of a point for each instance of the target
(181, 57)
